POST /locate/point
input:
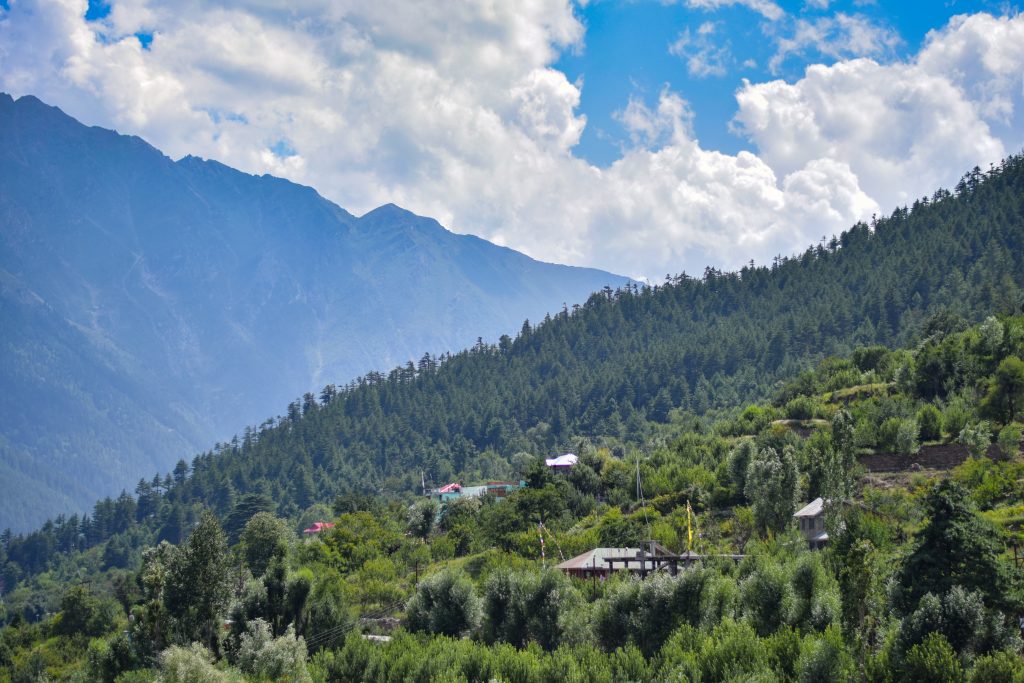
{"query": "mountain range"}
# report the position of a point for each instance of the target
(149, 307)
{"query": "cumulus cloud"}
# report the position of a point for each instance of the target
(903, 128)
(841, 36)
(453, 109)
(671, 121)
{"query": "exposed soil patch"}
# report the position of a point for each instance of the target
(940, 457)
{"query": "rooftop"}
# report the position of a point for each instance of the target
(595, 559)
(812, 509)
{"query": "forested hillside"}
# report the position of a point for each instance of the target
(631, 356)
(610, 368)
(918, 581)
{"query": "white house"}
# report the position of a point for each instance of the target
(811, 518)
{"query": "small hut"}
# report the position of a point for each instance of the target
(562, 462)
(811, 519)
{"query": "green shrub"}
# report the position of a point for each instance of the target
(526, 606)
(888, 433)
(193, 665)
(826, 659)
(956, 416)
(732, 651)
(865, 434)
(907, 437)
(629, 664)
(278, 659)
(768, 599)
(801, 408)
(82, 613)
(139, 676)
(868, 358)
(930, 420)
(932, 660)
(1009, 440)
(999, 667)
(784, 652)
(445, 603)
(816, 602)
(976, 438)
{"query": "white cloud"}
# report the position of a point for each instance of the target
(453, 110)
(766, 8)
(842, 36)
(904, 128)
(671, 121)
(983, 58)
(703, 56)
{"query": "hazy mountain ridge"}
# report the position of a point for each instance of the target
(152, 306)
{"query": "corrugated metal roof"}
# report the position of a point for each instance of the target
(812, 509)
(595, 559)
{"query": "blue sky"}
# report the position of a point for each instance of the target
(645, 137)
(627, 54)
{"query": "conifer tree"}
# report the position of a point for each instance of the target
(955, 548)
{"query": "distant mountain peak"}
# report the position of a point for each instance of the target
(392, 217)
(187, 299)
(389, 212)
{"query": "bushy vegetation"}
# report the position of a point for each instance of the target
(205, 575)
(917, 580)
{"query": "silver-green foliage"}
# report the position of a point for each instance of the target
(280, 659)
(768, 599)
(976, 438)
(445, 603)
(907, 434)
(739, 462)
(1009, 439)
(772, 488)
(524, 606)
(193, 664)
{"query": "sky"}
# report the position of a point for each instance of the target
(645, 138)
